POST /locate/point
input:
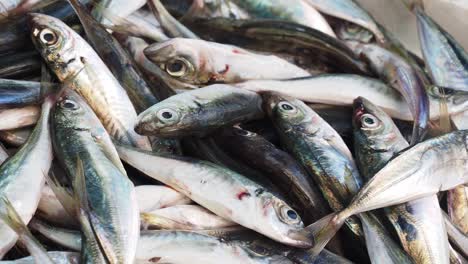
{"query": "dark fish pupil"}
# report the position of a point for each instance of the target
(175, 67)
(369, 120)
(292, 214)
(287, 107)
(48, 37)
(69, 105)
(167, 115)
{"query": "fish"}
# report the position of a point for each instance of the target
(342, 89)
(171, 25)
(10, 216)
(297, 11)
(446, 60)
(16, 137)
(105, 195)
(198, 112)
(393, 183)
(205, 8)
(14, 36)
(154, 197)
(73, 61)
(20, 65)
(307, 47)
(123, 8)
(17, 93)
(457, 200)
(350, 11)
(58, 257)
(418, 223)
(183, 217)
(328, 160)
(201, 62)
(245, 202)
(279, 166)
(117, 59)
(14, 118)
(21, 176)
(399, 74)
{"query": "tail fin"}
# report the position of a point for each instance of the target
(324, 230)
(13, 220)
(64, 195)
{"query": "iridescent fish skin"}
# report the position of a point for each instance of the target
(244, 201)
(350, 11)
(106, 196)
(73, 61)
(418, 223)
(199, 112)
(446, 60)
(22, 176)
(399, 74)
(202, 62)
(295, 11)
(322, 152)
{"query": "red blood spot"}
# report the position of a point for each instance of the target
(235, 51)
(243, 194)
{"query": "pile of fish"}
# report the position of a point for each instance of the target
(229, 131)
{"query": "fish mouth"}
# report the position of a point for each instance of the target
(359, 109)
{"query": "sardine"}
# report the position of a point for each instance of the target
(418, 223)
(243, 202)
(199, 112)
(202, 62)
(106, 195)
(76, 63)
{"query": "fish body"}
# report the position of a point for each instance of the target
(322, 152)
(22, 176)
(71, 58)
(446, 60)
(295, 11)
(281, 168)
(199, 112)
(202, 62)
(400, 75)
(109, 205)
(418, 223)
(241, 201)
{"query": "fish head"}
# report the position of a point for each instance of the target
(72, 112)
(376, 137)
(168, 117)
(178, 57)
(369, 119)
(280, 221)
(290, 114)
(55, 41)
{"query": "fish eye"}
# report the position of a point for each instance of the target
(287, 107)
(242, 132)
(48, 37)
(177, 67)
(168, 115)
(289, 216)
(369, 121)
(69, 104)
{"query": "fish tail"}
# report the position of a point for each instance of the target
(324, 230)
(12, 218)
